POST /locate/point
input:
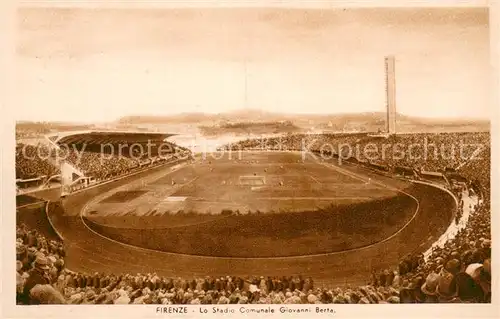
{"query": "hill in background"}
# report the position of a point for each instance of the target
(268, 122)
(251, 121)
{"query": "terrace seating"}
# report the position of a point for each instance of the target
(32, 162)
(38, 162)
(459, 272)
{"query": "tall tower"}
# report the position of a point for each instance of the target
(245, 105)
(390, 91)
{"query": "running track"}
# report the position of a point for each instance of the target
(88, 252)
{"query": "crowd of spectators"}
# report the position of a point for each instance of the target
(108, 167)
(423, 151)
(36, 161)
(101, 167)
(43, 279)
(32, 161)
(457, 272)
(39, 263)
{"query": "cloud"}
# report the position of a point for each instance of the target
(83, 61)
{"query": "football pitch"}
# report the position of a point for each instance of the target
(257, 204)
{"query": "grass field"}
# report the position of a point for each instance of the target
(300, 208)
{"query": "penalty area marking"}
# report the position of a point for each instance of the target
(174, 199)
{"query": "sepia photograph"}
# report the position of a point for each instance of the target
(251, 160)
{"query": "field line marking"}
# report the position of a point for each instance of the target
(136, 248)
(31, 204)
(314, 198)
(344, 172)
(314, 179)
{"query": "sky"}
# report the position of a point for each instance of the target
(94, 65)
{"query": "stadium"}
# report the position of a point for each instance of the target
(100, 220)
(267, 213)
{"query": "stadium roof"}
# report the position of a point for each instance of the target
(105, 137)
(432, 173)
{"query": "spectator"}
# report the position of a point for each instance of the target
(37, 276)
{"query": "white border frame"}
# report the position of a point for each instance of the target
(7, 193)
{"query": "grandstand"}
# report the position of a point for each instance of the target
(107, 227)
(78, 159)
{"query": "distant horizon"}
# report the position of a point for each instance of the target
(451, 118)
